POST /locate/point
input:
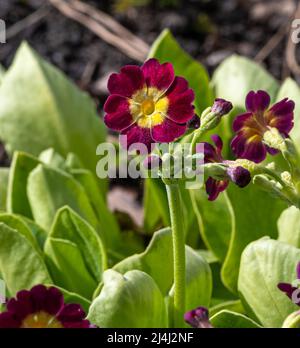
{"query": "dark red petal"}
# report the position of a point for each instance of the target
(127, 82)
(158, 75)
(253, 151)
(298, 270)
(168, 131)
(8, 321)
(281, 116)
(218, 142)
(71, 313)
(215, 187)
(38, 297)
(22, 305)
(117, 111)
(135, 136)
(258, 101)
(239, 121)
(210, 154)
(181, 99)
(83, 324)
(54, 301)
(271, 150)
(287, 288)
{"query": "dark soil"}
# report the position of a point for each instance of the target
(209, 30)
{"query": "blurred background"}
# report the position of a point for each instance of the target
(90, 39)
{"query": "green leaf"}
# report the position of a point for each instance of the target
(290, 89)
(233, 305)
(264, 264)
(41, 108)
(156, 209)
(49, 189)
(166, 49)
(75, 255)
(21, 266)
(67, 268)
(106, 218)
(255, 215)
(71, 227)
(53, 159)
(214, 232)
(17, 223)
(4, 174)
(17, 201)
(289, 226)
(132, 300)
(198, 283)
(159, 252)
(237, 76)
(228, 319)
(38, 232)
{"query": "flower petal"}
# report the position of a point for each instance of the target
(281, 116)
(298, 271)
(180, 98)
(257, 101)
(117, 111)
(8, 321)
(218, 142)
(240, 120)
(22, 305)
(127, 82)
(135, 136)
(287, 288)
(158, 75)
(168, 131)
(215, 187)
(252, 150)
(210, 154)
(54, 301)
(71, 313)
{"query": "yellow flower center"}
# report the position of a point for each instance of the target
(41, 320)
(148, 107)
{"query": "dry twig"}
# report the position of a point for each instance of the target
(103, 26)
(291, 49)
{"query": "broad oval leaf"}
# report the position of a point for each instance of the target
(264, 264)
(41, 108)
(166, 49)
(289, 226)
(227, 319)
(132, 300)
(21, 266)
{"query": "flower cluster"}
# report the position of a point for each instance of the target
(150, 104)
(42, 307)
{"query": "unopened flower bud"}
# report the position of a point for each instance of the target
(221, 107)
(198, 318)
(239, 175)
(194, 123)
(211, 117)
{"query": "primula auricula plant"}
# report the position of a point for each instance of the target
(150, 105)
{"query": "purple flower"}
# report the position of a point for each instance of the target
(198, 318)
(237, 174)
(42, 307)
(251, 126)
(149, 104)
(221, 107)
(290, 289)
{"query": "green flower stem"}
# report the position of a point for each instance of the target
(178, 252)
(198, 134)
